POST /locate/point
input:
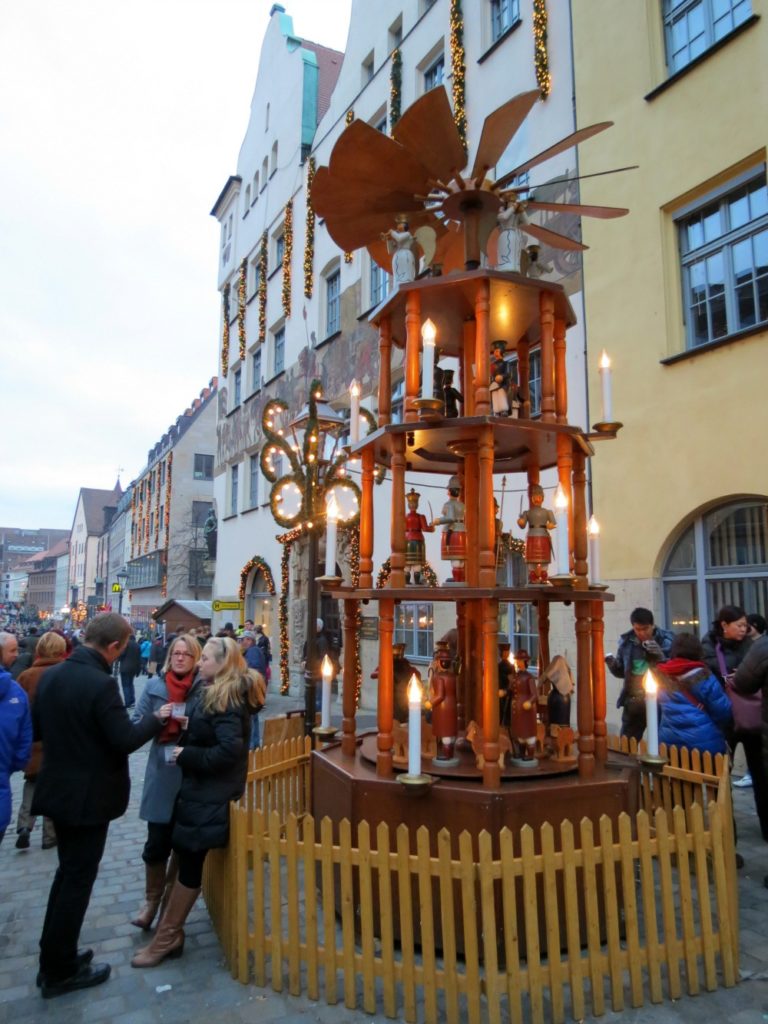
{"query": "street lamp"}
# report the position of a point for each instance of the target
(122, 579)
(299, 497)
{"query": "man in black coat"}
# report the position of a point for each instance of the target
(130, 665)
(82, 786)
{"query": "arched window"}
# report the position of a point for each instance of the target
(721, 558)
(259, 604)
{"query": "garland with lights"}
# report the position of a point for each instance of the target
(540, 54)
(349, 117)
(309, 232)
(258, 563)
(146, 515)
(287, 257)
(225, 331)
(168, 471)
(263, 288)
(353, 537)
(241, 308)
(133, 520)
(395, 89)
(458, 69)
(429, 574)
(157, 506)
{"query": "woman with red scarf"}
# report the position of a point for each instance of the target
(695, 710)
(177, 681)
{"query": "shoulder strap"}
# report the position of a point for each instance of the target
(721, 660)
(689, 696)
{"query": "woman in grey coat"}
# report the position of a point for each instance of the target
(176, 684)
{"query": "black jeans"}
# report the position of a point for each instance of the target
(129, 692)
(753, 752)
(191, 867)
(80, 850)
(157, 848)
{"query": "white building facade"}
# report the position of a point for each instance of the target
(306, 317)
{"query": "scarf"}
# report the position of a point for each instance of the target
(679, 666)
(178, 687)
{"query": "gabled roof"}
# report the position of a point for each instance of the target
(329, 65)
(94, 503)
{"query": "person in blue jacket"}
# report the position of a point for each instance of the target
(695, 710)
(15, 740)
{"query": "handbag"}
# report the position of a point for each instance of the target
(747, 708)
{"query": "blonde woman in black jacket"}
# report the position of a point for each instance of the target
(213, 757)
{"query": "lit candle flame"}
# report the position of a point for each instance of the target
(326, 668)
(332, 508)
(593, 527)
(561, 498)
(649, 683)
(354, 389)
(414, 690)
(428, 332)
(605, 362)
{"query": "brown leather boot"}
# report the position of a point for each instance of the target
(155, 874)
(169, 937)
(172, 871)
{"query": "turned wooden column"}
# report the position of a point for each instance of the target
(542, 609)
(465, 367)
(366, 521)
(524, 376)
(580, 542)
(385, 371)
(547, 325)
(397, 558)
(384, 710)
(462, 652)
(598, 681)
(412, 348)
(486, 523)
(349, 703)
(584, 708)
(482, 349)
(470, 492)
(490, 687)
(561, 374)
(564, 471)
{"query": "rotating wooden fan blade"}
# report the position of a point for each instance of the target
(603, 212)
(378, 253)
(553, 238)
(449, 251)
(559, 147)
(499, 128)
(335, 195)
(354, 231)
(427, 129)
(363, 153)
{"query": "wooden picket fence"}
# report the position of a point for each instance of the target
(534, 926)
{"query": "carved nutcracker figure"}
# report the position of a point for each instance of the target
(442, 695)
(522, 717)
(453, 544)
(499, 379)
(415, 525)
(538, 545)
(451, 397)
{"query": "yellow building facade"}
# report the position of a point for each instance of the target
(677, 294)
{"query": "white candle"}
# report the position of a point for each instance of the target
(561, 518)
(593, 530)
(651, 714)
(326, 670)
(428, 333)
(354, 412)
(332, 515)
(414, 726)
(605, 388)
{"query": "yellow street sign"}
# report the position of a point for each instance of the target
(226, 606)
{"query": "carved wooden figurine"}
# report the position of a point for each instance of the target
(522, 715)
(505, 672)
(415, 525)
(451, 397)
(442, 695)
(500, 379)
(476, 741)
(453, 544)
(538, 545)
(400, 243)
(510, 218)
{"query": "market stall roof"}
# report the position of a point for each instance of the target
(200, 609)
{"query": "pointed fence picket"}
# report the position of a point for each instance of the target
(553, 923)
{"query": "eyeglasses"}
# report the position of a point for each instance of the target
(182, 654)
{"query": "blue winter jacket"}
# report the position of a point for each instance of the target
(15, 739)
(684, 724)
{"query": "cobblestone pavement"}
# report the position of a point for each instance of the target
(198, 987)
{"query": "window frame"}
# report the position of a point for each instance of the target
(438, 59)
(410, 635)
(237, 387)
(254, 472)
(278, 350)
(500, 24)
(332, 301)
(256, 378)
(201, 474)
(673, 11)
(234, 488)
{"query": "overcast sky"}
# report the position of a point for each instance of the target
(120, 123)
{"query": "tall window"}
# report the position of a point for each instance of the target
(379, 283)
(721, 558)
(333, 303)
(253, 481)
(434, 74)
(256, 370)
(254, 275)
(413, 627)
(279, 250)
(504, 13)
(234, 474)
(534, 379)
(692, 26)
(237, 387)
(279, 350)
(247, 204)
(724, 253)
(398, 402)
(367, 66)
(203, 467)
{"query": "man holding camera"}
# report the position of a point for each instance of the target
(641, 647)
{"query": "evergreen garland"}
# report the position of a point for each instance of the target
(241, 308)
(225, 331)
(395, 89)
(287, 257)
(309, 234)
(263, 288)
(458, 69)
(541, 56)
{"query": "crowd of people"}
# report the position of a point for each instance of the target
(67, 724)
